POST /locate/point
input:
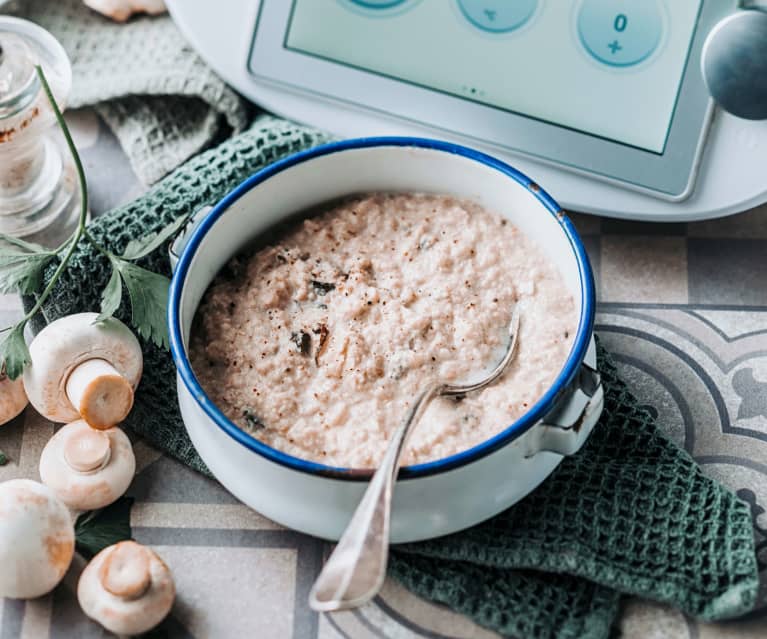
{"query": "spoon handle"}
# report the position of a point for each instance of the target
(355, 571)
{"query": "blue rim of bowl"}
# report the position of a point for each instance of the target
(542, 407)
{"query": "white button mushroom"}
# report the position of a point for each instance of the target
(83, 369)
(37, 539)
(126, 588)
(121, 10)
(13, 399)
(86, 468)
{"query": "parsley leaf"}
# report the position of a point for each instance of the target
(3, 458)
(14, 354)
(97, 529)
(148, 293)
(22, 272)
(111, 296)
(143, 246)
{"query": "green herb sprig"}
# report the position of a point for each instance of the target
(22, 265)
(97, 529)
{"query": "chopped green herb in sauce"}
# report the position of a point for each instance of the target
(322, 288)
(251, 419)
(303, 342)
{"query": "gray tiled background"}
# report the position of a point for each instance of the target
(683, 308)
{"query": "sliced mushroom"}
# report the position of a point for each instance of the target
(87, 468)
(121, 10)
(37, 539)
(126, 588)
(84, 369)
(13, 399)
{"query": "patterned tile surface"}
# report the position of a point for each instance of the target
(684, 310)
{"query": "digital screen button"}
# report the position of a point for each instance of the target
(497, 16)
(377, 4)
(620, 33)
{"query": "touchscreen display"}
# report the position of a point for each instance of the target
(610, 68)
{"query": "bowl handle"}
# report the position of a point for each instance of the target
(565, 429)
(178, 245)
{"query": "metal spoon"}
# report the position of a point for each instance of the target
(355, 571)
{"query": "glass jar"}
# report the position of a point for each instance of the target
(39, 195)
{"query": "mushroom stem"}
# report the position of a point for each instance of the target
(125, 572)
(87, 450)
(101, 395)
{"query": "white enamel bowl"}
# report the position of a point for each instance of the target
(431, 499)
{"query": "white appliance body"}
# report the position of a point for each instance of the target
(732, 176)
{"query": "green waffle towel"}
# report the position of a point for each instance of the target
(160, 99)
(631, 513)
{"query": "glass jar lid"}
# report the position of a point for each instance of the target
(23, 45)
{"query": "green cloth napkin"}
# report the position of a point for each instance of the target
(160, 99)
(630, 513)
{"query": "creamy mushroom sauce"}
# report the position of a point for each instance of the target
(317, 344)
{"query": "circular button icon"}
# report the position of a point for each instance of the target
(498, 16)
(620, 33)
(378, 4)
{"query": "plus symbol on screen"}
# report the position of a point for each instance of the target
(614, 47)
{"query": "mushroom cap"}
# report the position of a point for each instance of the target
(37, 539)
(121, 10)
(67, 342)
(13, 399)
(87, 468)
(126, 588)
